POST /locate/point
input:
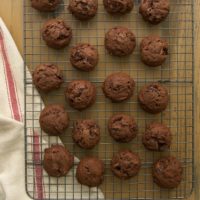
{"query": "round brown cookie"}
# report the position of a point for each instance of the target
(86, 133)
(154, 51)
(120, 41)
(153, 98)
(83, 9)
(45, 5)
(56, 33)
(47, 77)
(157, 137)
(122, 128)
(90, 171)
(57, 161)
(54, 119)
(80, 94)
(118, 87)
(154, 11)
(167, 172)
(118, 6)
(84, 57)
(125, 164)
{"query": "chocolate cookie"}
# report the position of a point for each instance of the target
(153, 98)
(45, 5)
(84, 57)
(80, 94)
(154, 11)
(157, 137)
(90, 171)
(118, 6)
(154, 51)
(167, 172)
(54, 119)
(118, 87)
(47, 77)
(83, 9)
(56, 33)
(120, 41)
(86, 133)
(125, 164)
(122, 128)
(57, 161)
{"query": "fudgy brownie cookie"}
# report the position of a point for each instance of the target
(122, 128)
(154, 51)
(118, 87)
(90, 171)
(45, 5)
(120, 41)
(54, 119)
(125, 164)
(83, 9)
(86, 133)
(153, 98)
(57, 161)
(56, 33)
(80, 94)
(167, 172)
(157, 137)
(154, 11)
(84, 57)
(118, 6)
(47, 77)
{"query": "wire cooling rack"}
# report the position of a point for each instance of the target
(176, 74)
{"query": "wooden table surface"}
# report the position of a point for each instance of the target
(12, 13)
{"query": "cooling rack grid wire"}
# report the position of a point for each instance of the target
(176, 74)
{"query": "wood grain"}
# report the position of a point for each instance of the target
(12, 13)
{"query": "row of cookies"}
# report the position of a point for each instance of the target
(54, 120)
(119, 41)
(125, 164)
(152, 11)
(118, 87)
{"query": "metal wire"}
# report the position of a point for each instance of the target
(176, 74)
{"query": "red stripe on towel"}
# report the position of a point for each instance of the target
(38, 167)
(17, 115)
(10, 81)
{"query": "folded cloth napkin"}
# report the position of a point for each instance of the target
(12, 164)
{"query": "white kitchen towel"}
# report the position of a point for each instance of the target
(12, 164)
